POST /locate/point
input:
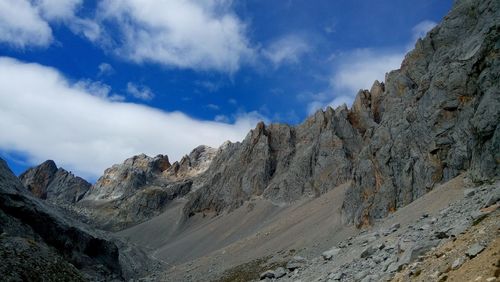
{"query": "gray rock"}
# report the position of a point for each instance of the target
(279, 272)
(474, 250)
(56, 185)
(450, 126)
(457, 263)
(330, 254)
(296, 262)
(372, 250)
(267, 274)
(469, 192)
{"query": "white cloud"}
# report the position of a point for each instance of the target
(45, 116)
(21, 25)
(213, 107)
(354, 71)
(98, 89)
(359, 68)
(57, 9)
(421, 29)
(26, 23)
(140, 92)
(287, 49)
(105, 69)
(200, 35)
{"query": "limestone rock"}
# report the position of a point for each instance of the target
(57, 185)
(447, 92)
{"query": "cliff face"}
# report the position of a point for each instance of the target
(438, 115)
(281, 163)
(141, 188)
(48, 182)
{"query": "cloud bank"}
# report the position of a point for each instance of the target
(50, 117)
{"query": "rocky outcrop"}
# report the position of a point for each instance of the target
(125, 179)
(281, 163)
(36, 241)
(141, 188)
(57, 185)
(193, 164)
(435, 117)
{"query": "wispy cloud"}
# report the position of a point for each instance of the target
(140, 92)
(359, 68)
(49, 117)
(105, 69)
(287, 49)
(213, 107)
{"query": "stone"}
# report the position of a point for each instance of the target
(53, 184)
(457, 263)
(469, 192)
(372, 250)
(474, 250)
(267, 274)
(336, 275)
(330, 254)
(279, 272)
(295, 263)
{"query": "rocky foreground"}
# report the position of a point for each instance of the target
(445, 246)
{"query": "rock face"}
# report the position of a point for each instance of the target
(435, 117)
(38, 242)
(281, 163)
(46, 181)
(141, 188)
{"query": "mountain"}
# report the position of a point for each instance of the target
(419, 149)
(48, 182)
(39, 243)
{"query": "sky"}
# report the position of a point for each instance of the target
(91, 83)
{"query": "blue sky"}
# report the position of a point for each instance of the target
(90, 83)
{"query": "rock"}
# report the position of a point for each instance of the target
(295, 263)
(474, 250)
(56, 185)
(457, 263)
(267, 274)
(491, 279)
(447, 127)
(371, 250)
(424, 227)
(469, 192)
(336, 275)
(279, 272)
(477, 216)
(328, 255)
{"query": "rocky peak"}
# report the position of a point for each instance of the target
(46, 181)
(37, 179)
(122, 180)
(193, 164)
